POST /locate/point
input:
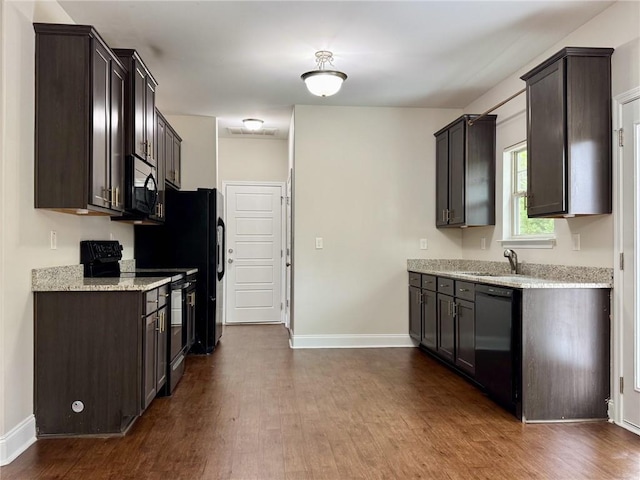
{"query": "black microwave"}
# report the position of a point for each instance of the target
(141, 188)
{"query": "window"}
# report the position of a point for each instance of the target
(519, 229)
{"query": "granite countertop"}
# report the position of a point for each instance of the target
(185, 270)
(533, 275)
(71, 278)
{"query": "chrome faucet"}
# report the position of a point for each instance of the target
(513, 260)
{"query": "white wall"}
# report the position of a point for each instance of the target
(252, 159)
(199, 149)
(24, 234)
(617, 27)
(369, 191)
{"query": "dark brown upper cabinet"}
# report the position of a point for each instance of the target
(465, 172)
(79, 135)
(569, 134)
(172, 159)
(140, 101)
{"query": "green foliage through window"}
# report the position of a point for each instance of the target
(521, 224)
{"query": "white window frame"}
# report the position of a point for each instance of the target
(511, 198)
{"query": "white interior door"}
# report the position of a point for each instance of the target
(254, 253)
(630, 313)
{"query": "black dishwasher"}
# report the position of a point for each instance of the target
(498, 345)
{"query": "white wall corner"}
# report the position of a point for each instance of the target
(17, 440)
(351, 341)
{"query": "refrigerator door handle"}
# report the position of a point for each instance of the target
(222, 250)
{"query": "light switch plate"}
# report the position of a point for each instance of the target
(483, 243)
(423, 244)
(53, 237)
(319, 243)
(575, 241)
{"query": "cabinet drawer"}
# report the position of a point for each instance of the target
(445, 285)
(414, 279)
(151, 301)
(429, 282)
(163, 295)
(465, 290)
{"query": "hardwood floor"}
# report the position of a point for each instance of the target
(257, 410)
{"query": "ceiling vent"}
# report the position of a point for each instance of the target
(265, 132)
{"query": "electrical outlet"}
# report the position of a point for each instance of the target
(423, 244)
(575, 240)
(111, 236)
(53, 238)
(319, 243)
(483, 243)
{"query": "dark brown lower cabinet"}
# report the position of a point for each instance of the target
(429, 320)
(446, 327)
(465, 336)
(88, 350)
(415, 313)
(100, 359)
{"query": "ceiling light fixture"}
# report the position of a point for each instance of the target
(252, 124)
(321, 82)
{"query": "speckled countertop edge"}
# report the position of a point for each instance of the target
(532, 275)
(70, 278)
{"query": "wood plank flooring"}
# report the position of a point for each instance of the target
(257, 410)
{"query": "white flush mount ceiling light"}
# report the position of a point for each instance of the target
(252, 124)
(322, 82)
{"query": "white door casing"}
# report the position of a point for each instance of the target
(287, 254)
(629, 155)
(255, 260)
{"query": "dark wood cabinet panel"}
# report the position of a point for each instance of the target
(565, 353)
(446, 328)
(161, 349)
(569, 134)
(160, 157)
(415, 313)
(177, 161)
(87, 355)
(150, 350)
(429, 320)
(78, 149)
(465, 172)
(465, 336)
(170, 144)
(442, 178)
(140, 122)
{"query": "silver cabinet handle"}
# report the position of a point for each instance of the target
(463, 290)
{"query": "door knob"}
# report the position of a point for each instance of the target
(230, 260)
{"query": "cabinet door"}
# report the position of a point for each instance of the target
(139, 111)
(457, 173)
(150, 121)
(466, 336)
(446, 327)
(177, 162)
(546, 145)
(117, 137)
(161, 349)
(99, 191)
(191, 318)
(442, 178)
(415, 313)
(168, 156)
(150, 358)
(160, 158)
(429, 320)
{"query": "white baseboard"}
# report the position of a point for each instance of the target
(17, 440)
(350, 341)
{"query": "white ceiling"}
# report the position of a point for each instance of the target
(239, 59)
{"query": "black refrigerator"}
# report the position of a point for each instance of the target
(193, 235)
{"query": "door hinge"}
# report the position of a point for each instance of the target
(287, 303)
(281, 254)
(621, 261)
(281, 306)
(281, 200)
(621, 137)
(288, 200)
(621, 384)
